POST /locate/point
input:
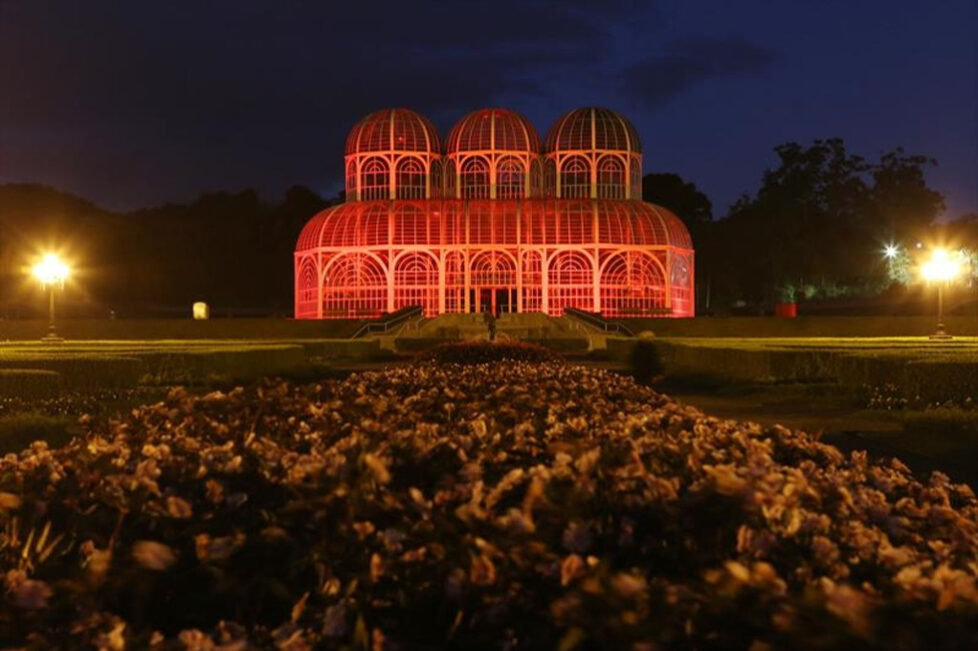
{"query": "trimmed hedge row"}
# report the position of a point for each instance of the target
(121, 367)
(30, 383)
(192, 367)
(81, 371)
(803, 326)
(931, 376)
(184, 328)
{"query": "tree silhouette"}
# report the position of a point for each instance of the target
(818, 221)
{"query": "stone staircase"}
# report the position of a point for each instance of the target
(453, 326)
(512, 326)
(563, 332)
(537, 325)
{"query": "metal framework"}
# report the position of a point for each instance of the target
(393, 154)
(494, 224)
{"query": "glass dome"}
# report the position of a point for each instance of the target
(593, 152)
(492, 154)
(393, 153)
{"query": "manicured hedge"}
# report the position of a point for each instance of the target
(82, 370)
(229, 363)
(114, 365)
(182, 328)
(30, 383)
(803, 326)
(916, 368)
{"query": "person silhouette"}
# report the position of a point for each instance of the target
(490, 321)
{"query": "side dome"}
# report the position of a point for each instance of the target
(493, 153)
(351, 224)
(393, 153)
(593, 152)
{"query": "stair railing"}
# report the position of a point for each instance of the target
(598, 321)
(386, 322)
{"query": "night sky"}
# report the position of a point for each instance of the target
(133, 104)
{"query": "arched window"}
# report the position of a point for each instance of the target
(351, 180)
(570, 279)
(416, 282)
(355, 285)
(681, 280)
(455, 282)
(306, 290)
(510, 179)
(530, 268)
(575, 178)
(474, 178)
(410, 180)
(375, 179)
(493, 269)
(632, 285)
(611, 178)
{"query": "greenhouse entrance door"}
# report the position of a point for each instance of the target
(493, 299)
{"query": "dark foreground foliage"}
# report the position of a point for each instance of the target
(512, 505)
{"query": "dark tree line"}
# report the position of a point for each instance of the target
(814, 228)
(231, 250)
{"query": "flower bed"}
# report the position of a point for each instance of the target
(514, 504)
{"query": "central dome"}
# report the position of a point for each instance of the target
(493, 129)
(493, 154)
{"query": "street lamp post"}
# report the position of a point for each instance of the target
(941, 268)
(51, 272)
(940, 333)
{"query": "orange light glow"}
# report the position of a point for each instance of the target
(50, 270)
(941, 266)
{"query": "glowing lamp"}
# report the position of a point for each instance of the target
(941, 267)
(890, 251)
(51, 270)
(201, 311)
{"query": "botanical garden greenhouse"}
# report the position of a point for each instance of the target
(492, 221)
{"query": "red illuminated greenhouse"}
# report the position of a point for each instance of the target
(492, 221)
